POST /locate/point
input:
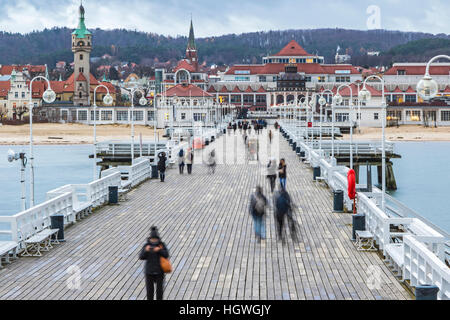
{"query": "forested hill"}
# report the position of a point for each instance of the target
(52, 45)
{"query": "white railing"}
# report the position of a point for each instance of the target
(422, 267)
(32, 221)
(424, 244)
(140, 171)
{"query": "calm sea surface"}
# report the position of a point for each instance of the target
(423, 176)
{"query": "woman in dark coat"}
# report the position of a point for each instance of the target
(152, 252)
(162, 166)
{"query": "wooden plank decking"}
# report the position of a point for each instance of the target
(204, 220)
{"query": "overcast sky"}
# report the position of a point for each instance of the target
(213, 17)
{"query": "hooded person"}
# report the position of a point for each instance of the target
(162, 166)
(152, 252)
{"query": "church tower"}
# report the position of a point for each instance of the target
(191, 51)
(81, 47)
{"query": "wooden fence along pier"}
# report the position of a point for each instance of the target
(204, 220)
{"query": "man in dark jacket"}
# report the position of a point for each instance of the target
(283, 208)
(258, 204)
(152, 252)
(162, 166)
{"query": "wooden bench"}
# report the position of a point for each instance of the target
(41, 241)
(365, 241)
(7, 248)
(82, 210)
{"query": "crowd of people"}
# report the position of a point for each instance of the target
(155, 251)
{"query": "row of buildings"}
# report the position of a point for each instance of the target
(190, 91)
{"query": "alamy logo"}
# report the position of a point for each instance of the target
(374, 19)
(74, 280)
(374, 278)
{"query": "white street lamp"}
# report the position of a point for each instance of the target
(15, 156)
(142, 102)
(49, 96)
(339, 99)
(107, 100)
(365, 96)
(427, 88)
(322, 103)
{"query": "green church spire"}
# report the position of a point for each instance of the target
(81, 32)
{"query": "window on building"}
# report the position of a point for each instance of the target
(122, 115)
(376, 116)
(308, 79)
(151, 115)
(262, 79)
(138, 115)
(248, 99)
(82, 115)
(401, 72)
(342, 117)
(410, 98)
(183, 116)
(342, 79)
(413, 115)
(23, 95)
(445, 115)
(236, 99)
(260, 99)
(97, 115)
(321, 79)
(81, 95)
(107, 115)
(16, 95)
(199, 116)
(81, 57)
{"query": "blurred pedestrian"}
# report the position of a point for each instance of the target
(270, 136)
(272, 173)
(181, 163)
(189, 160)
(162, 163)
(258, 204)
(283, 209)
(212, 162)
(282, 173)
(152, 252)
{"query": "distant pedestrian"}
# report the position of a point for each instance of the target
(162, 166)
(181, 163)
(258, 204)
(189, 160)
(282, 173)
(270, 136)
(212, 162)
(283, 209)
(152, 252)
(272, 173)
(234, 127)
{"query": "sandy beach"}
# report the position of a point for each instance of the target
(403, 133)
(53, 133)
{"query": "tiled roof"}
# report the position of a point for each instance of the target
(345, 91)
(437, 70)
(186, 90)
(4, 88)
(7, 70)
(292, 49)
(183, 64)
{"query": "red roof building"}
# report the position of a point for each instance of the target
(187, 90)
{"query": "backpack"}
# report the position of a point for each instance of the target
(260, 205)
(282, 204)
(181, 153)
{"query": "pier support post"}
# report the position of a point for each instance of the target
(391, 184)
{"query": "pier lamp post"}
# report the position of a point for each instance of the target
(15, 156)
(49, 96)
(427, 88)
(107, 100)
(312, 106)
(365, 96)
(142, 102)
(322, 103)
(350, 118)
(337, 100)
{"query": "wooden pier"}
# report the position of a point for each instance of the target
(204, 221)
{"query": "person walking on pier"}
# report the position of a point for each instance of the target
(234, 127)
(162, 166)
(189, 160)
(283, 208)
(152, 252)
(258, 204)
(181, 163)
(212, 162)
(282, 173)
(270, 136)
(272, 173)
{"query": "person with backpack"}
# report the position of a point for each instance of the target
(181, 163)
(258, 204)
(189, 160)
(282, 173)
(162, 166)
(152, 252)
